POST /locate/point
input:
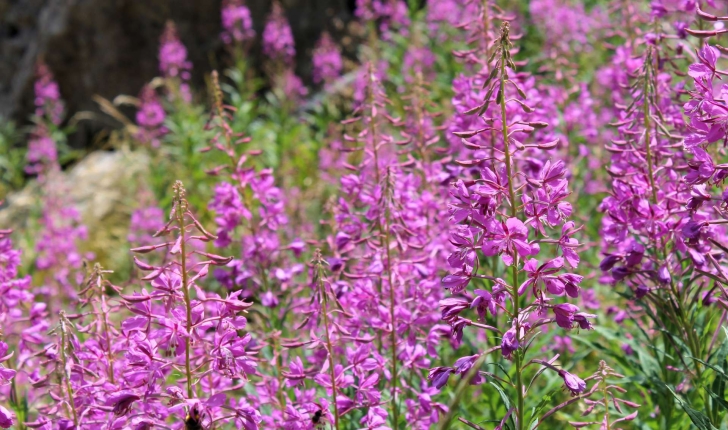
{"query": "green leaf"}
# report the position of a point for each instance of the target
(698, 418)
(719, 400)
(504, 397)
(545, 400)
(718, 370)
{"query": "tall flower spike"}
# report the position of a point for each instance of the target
(278, 42)
(48, 102)
(237, 22)
(387, 242)
(658, 229)
(150, 117)
(252, 223)
(325, 293)
(173, 62)
(518, 199)
(196, 334)
(601, 395)
(327, 61)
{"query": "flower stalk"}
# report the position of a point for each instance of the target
(504, 45)
(66, 372)
(323, 290)
(180, 209)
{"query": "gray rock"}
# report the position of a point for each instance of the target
(102, 187)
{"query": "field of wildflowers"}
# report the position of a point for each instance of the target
(496, 215)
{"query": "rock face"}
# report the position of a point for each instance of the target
(103, 187)
(109, 47)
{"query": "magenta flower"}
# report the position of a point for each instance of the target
(122, 402)
(455, 283)
(327, 61)
(278, 44)
(572, 382)
(237, 23)
(565, 315)
(6, 375)
(6, 417)
(507, 238)
(509, 343)
(150, 117)
(48, 102)
(173, 55)
(439, 376)
(543, 275)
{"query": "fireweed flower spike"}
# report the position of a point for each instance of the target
(48, 103)
(15, 301)
(387, 242)
(508, 213)
(278, 44)
(173, 62)
(150, 117)
(237, 22)
(42, 153)
(250, 213)
(371, 189)
(58, 257)
(279, 48)
(658, 227)
(327, 61)
(197, 335)
(323, 294)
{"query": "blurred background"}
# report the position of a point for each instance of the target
(110, 47)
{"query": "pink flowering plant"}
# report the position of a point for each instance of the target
(418, 215)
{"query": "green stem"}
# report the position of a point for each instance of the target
(186, 292)
(66, 374)
(603, 384)
(331, 353)
(514, 213)
(393, 334)
(105, 326)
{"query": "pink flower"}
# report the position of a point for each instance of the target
(572, 382)
(6, 417)
(507, 238)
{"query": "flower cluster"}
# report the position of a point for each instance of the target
(42, 153)
(48, 101)
(391, 15)
(173, 55)
(705, 174)
(150, 117)
(327, 62)
(173, 62)
(279, 47)
(145, 221)
(178, 328)
(237, 23)
(507, 212)
(13, 295)
(278, 44)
